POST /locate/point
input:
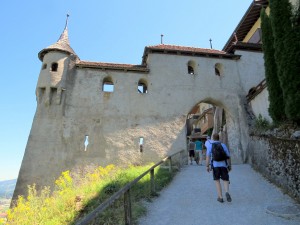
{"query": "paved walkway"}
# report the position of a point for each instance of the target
(191, 200)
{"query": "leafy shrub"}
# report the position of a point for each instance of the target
(262, 126)
(261, 123)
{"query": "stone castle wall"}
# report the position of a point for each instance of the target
(76, 108)
(278, 160)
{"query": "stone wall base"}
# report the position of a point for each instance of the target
(278, 160)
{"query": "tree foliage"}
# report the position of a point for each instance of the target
(286, 34)
(274, 89)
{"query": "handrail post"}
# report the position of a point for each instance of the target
(170, 164)
(181, 158)
(127, 207)
(152, 181)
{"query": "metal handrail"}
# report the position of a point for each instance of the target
(126, 192)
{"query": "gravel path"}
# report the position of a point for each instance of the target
(191, 200)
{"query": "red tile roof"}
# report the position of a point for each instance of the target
(185, 48)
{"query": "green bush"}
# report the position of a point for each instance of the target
(261, 124)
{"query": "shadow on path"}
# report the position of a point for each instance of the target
(191, 199)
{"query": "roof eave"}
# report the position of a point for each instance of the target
(113, 68)
(43, 52)
(253, 47)
(247, 15)
(150, 50)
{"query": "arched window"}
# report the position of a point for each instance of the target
(142, 86)
(44, 66)
(218, 69)
(191, 70)
(191, 67)
(54, 67)
(108, 85)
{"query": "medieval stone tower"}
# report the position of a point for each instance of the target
(97, 113)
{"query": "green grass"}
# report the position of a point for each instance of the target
(77, 194)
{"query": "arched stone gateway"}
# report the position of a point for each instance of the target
(77, 123)
(235, 126)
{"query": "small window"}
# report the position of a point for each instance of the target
(141, 144)
(108, 85)
(218, 69)
(142, 86)
(54, 67)
(86, 142)
(191, 67)
(44, 66)
(190, 70)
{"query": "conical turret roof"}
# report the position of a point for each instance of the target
(62, 44)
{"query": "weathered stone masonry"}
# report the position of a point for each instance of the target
(278, 160)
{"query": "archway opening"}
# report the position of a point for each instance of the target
(205, 119)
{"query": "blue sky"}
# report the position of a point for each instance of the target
(102, 31)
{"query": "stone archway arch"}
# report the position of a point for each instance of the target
(236, 138)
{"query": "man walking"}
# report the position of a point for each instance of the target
(191, 147)
(218, 160)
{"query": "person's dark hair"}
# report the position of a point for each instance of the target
(216, 137)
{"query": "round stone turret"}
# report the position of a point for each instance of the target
(57, 60)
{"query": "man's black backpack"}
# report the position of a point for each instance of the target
(218, 153)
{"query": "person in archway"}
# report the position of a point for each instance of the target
(207, 142)
(191, 148)
(198, 152)
(218, 160)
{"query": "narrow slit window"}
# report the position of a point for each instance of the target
(141, 144)
(86, 142)
(44, 66)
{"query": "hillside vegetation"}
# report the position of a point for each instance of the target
(7, 188)
(77, 194)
